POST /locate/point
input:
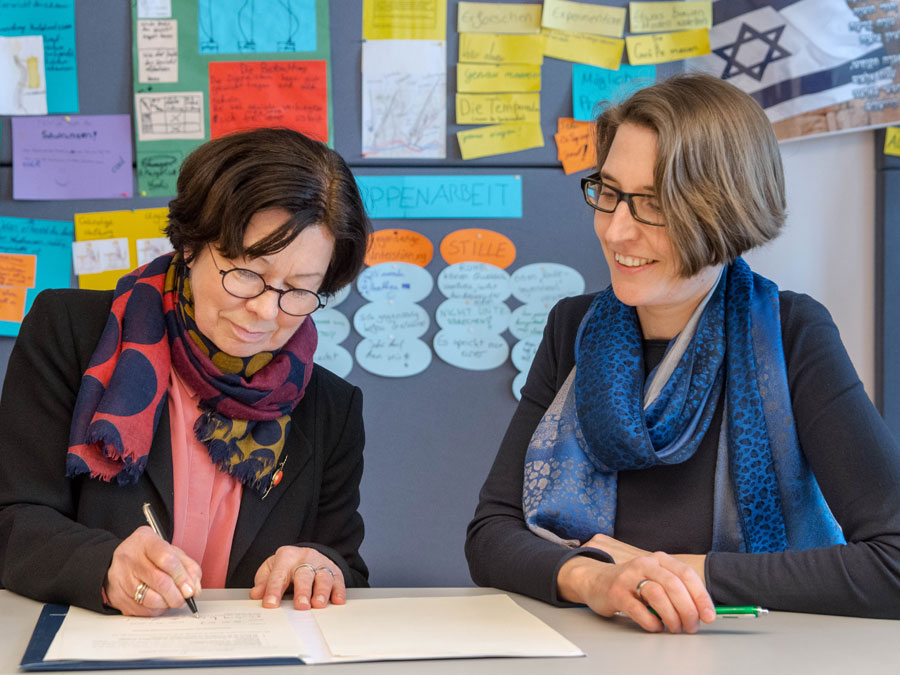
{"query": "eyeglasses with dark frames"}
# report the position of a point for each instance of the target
(247, 284)
(604, 197)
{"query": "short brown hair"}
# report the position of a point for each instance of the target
(718, 173)
(224, 182)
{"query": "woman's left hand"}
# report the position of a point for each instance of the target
(619, 550)
(313, 575)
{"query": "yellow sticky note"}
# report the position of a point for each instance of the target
(499, 139)
(477, 78)
(595, 50)
(500, 49)
(654, 17)
(579, 17)
(662, 47)
(496, 17)
(892, 141)
(498, 108)
(407, 20)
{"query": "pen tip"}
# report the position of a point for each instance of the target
(196, 615)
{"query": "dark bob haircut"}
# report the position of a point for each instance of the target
(224, 182)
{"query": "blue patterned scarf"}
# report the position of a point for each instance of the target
(606, 418)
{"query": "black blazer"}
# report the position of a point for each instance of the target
(57, 535)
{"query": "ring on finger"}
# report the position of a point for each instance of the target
(140, 592)
(323, 568)
(640, 586)
(304, 565)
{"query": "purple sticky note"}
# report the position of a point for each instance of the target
(72, 157)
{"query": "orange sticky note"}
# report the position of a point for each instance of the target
(17, 269)
(399, 246)
(566, 123)
(12, 303)
(252, 94)
(477, 245)
(575, 145)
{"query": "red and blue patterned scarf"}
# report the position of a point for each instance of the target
(246, 402)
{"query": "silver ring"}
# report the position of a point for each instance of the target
(323, 568)
(307, 565)
(140, 592)
(640, 586)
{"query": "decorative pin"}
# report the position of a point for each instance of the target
(276, 477)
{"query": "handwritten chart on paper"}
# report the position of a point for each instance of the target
(253, 94)
(404, 98)
(157, 50)
(23, 86)
(162, 117)
(241, 27)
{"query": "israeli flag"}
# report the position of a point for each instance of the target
(795, 56)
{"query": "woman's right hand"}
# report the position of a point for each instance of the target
(674, 590)
(144, 558)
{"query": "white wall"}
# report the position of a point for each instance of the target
(827, 247)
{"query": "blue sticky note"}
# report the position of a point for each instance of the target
(241, 27)
(474, 196)
(51, 242)
(592, 85)
(55, 21)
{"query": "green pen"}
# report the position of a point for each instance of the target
(732, 612)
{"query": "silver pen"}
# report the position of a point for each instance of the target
(150, 517)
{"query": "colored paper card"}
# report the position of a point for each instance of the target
(594, 50)
(157, 50)
(461, 313)
(130, 225)
(407, 20)
(55, 23)
(23, 86)
(78, 157)
(386, 319)
(476, 281)
(546, 282)
(499, 49)
(154, 9)
(892, 141)
(251, 94)
(580, 17)
(241, 27)
(664, 47)
(499, 139)
(496, 17)
(473, 196)
(400, 357)
(333, 357)
(102, 255)
(478, 245)
(655, 17)
(151, 248)
(479, 78)
(332, 326)
(576, 148)
(50, 242)
(471, 348)
(399, 246)
(592, 85)
(173, 116)
(404, 99)
(158, 172)
(498, 108)
(395, 282)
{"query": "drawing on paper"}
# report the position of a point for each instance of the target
(248, 26)
(170, 116)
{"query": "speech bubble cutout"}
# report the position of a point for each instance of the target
(399, 246)
(528, 321)
(339, 296)
(400, 357)
(522, 354)
(518, 383)
(334, 357)
(395, 281)
(476, 245)
(459, 313)
(474, 281)
(331, 325)
(391, 320)
(545, 282)
(471, 348)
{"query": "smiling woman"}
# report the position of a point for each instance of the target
(192, 388)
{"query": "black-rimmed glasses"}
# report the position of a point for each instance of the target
(606, 198)
(247, 284)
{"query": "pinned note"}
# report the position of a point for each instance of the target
(499, 139)
(483, 78)
(158, 172)
(499, 49)
(592, 85)
(102, 255)
(334, 357)
(331, 325)
(495, 17)
(892, 141)
(399, 246)
(241, 27)
(421, 196)
(522, 354)
(460, 313)
(654, 17)
(576, 145)
(23, 85)
(474, 281)
(173, 116)
(251, 94)
(390, 320)
(545, 282)
(400, 357)
(79, 157)
(595, 50)
(663, 47)
(471, 348)
(528, 321)
(151, 248)
(407, 20)
(477, 245)
(584, 18)
(395, 282)
(18, 269)
(498, 108)
(157, 50)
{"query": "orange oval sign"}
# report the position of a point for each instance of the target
(475, 245)
(399, 246)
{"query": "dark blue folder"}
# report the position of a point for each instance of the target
(51, 619)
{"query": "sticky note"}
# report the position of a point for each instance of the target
(241, 27)
(663, 47)
(485, 79)
(576, 148)
(595, 50)
(157, 50)
(407, 20)
(581, 17)
(399, 246)
(496, 17)
(173, 116)
(12, 304)
(18, 269)
(499, 139)
(441, 196)
(592, 85)
(892, 141)
(497, 108)
(654, 17)
(499, 49)
(478, 245)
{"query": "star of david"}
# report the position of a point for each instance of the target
(746, 35)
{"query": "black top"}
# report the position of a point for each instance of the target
(670, 508)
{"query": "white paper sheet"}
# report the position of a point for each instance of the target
(23, 84)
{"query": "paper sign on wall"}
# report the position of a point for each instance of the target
(653, 17)
(495, 17)
(175, 116)
(424, 196)
(407, 20)
(499, 139)
(241, 27)
(663, 47)
(157, 50)
(892, 141)
(498, 108)
(584, 18)
(497, 49)
(596, 50)
(592, 85)
(23, 86)
(399, 246)
(485, 78)
(478, 245)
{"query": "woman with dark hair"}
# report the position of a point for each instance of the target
(192, 388)
(691, 409)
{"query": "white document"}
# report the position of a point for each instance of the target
(172, 116)
(100, 255)
(23, 85)
(157, 48)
